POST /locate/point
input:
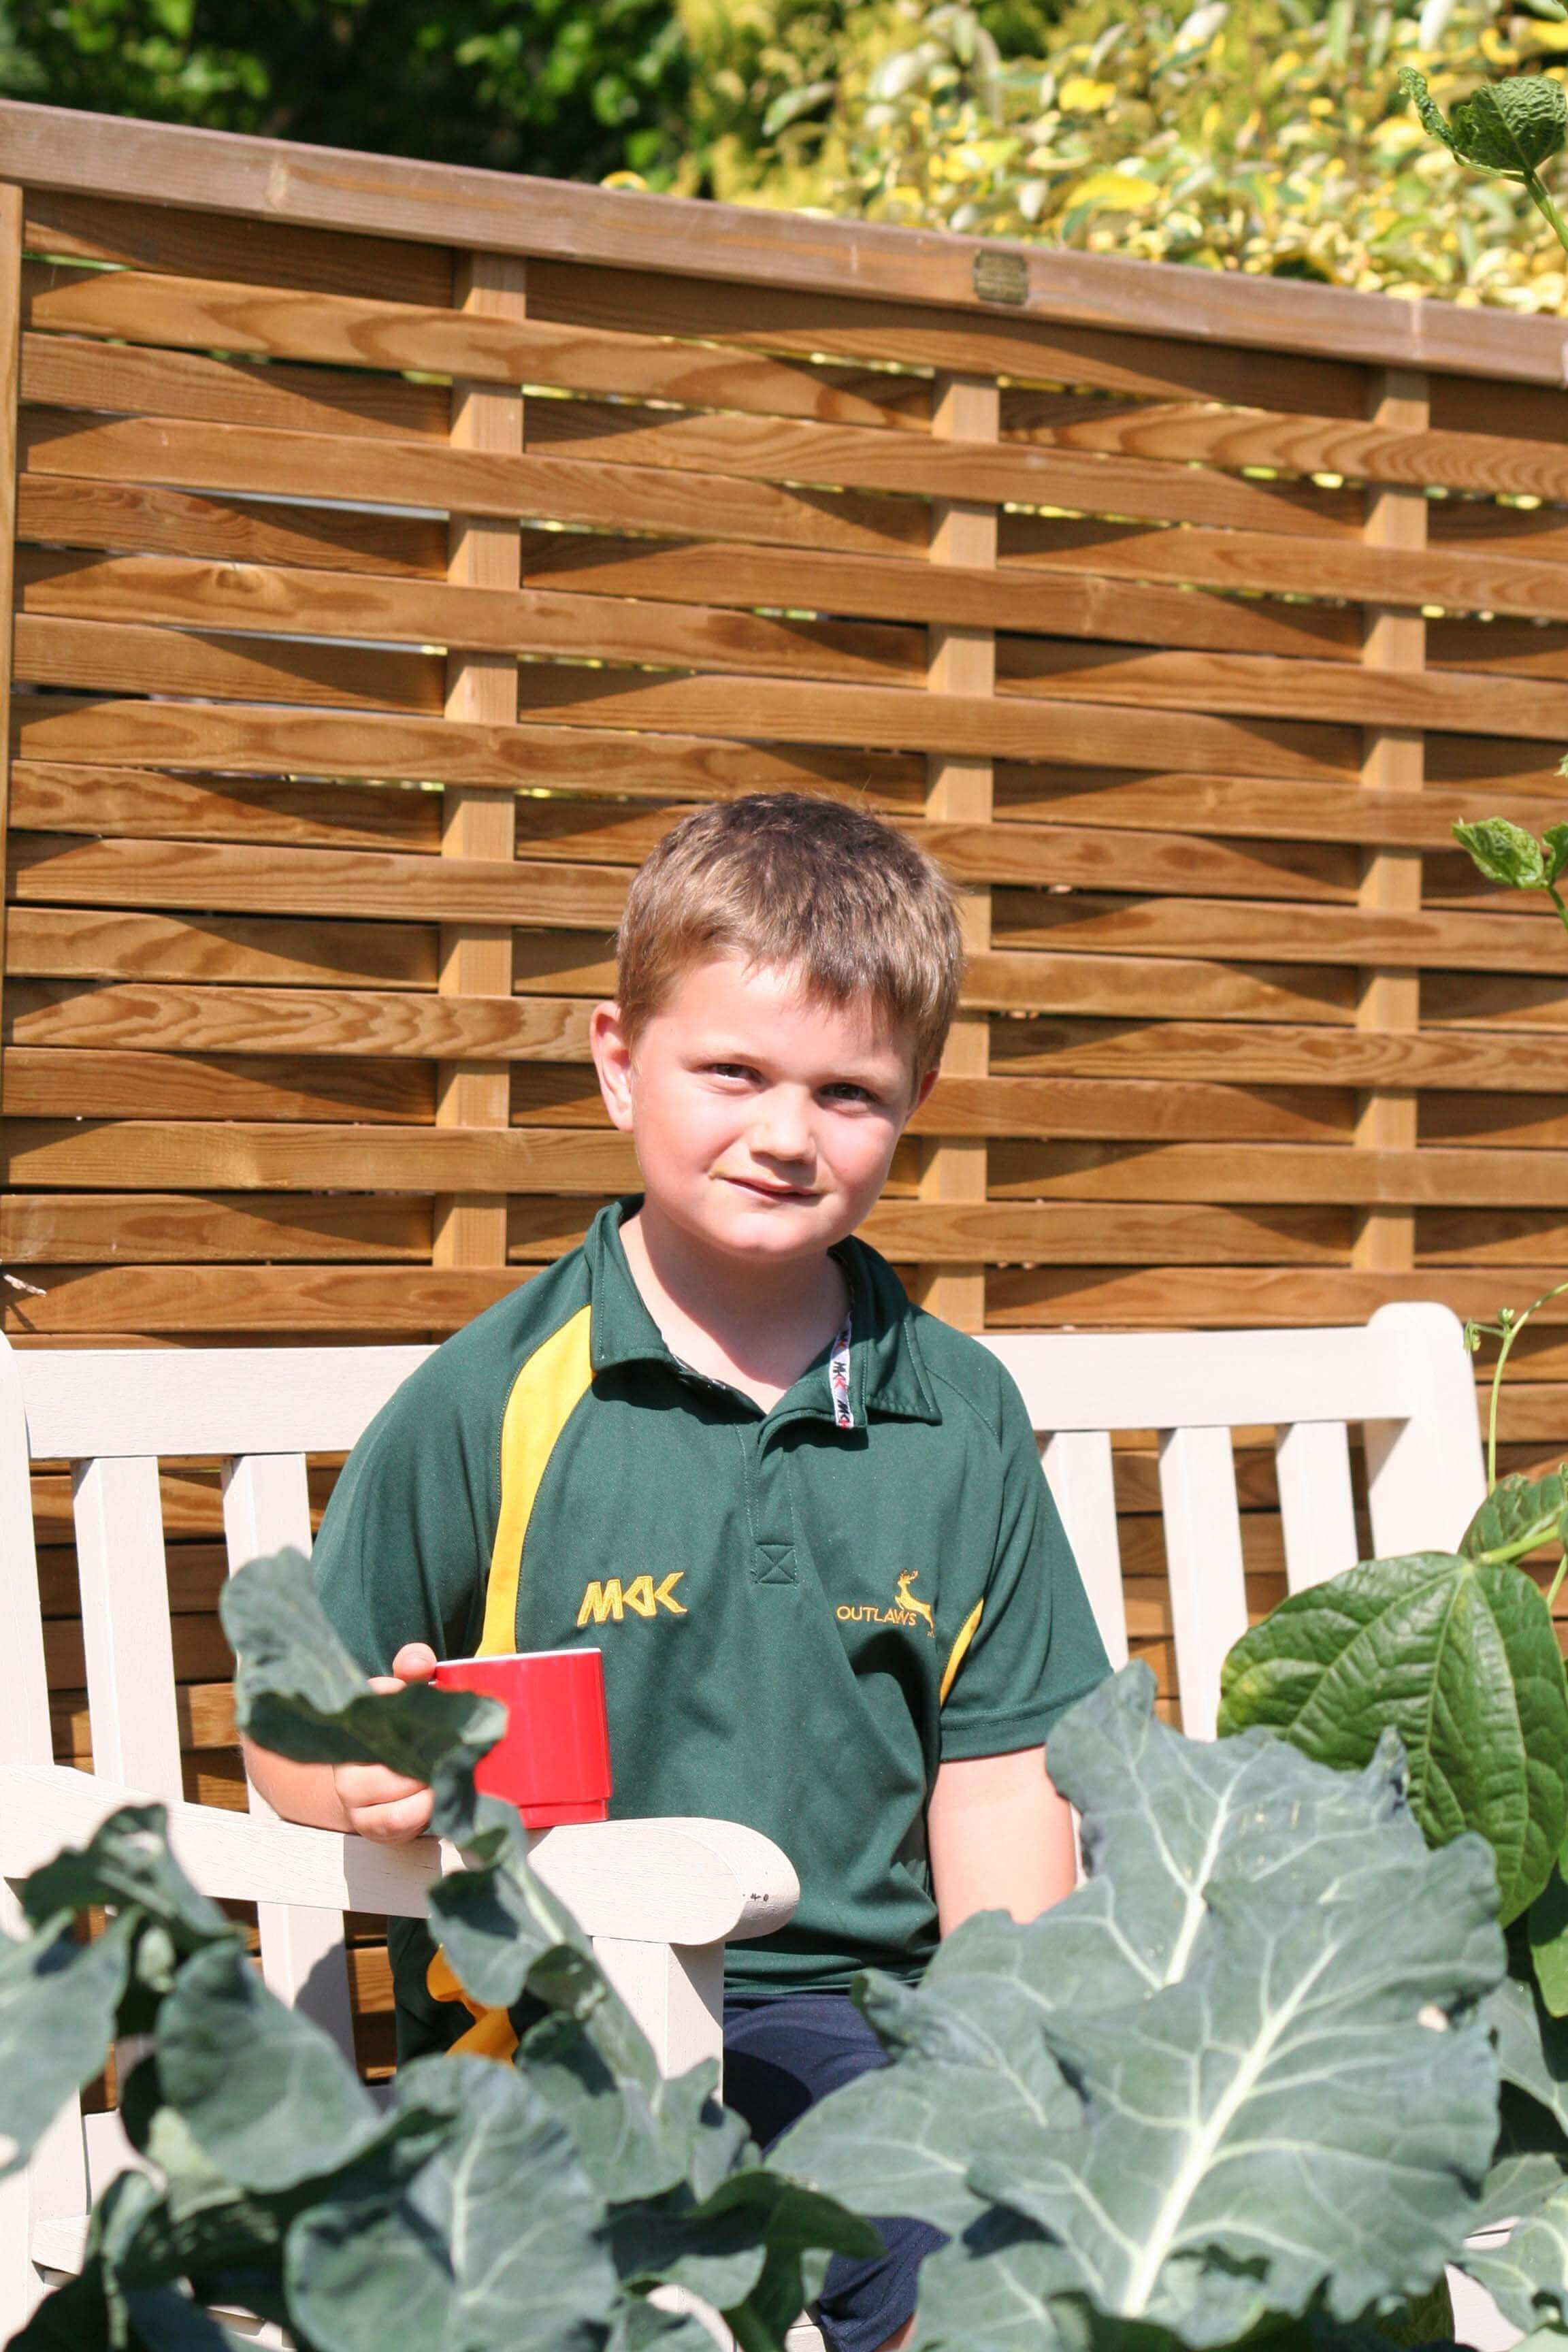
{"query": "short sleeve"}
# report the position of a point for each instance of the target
(1034, 1647)
(404, 1548)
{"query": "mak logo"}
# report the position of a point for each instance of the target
(906, 1609)
(610, 1600)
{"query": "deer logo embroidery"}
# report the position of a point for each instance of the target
(906, 1599)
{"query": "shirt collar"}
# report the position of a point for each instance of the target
(887, 1370)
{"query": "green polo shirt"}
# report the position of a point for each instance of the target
(800, 1620)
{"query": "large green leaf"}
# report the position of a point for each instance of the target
(498, 2242)
(1456, 1655)
(1285, 2012)
(267, 2094)
(1159, 1815)
(58, 2005)
(298, 1692)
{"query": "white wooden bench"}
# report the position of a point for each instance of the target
(659, 1899)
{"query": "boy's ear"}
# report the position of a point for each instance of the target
(613, 1060)
(923, 1091)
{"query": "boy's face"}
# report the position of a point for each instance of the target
(764, 1121)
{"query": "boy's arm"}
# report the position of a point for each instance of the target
(999, 1837)
(365, 1798)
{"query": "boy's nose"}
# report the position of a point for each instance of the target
(783, 1130)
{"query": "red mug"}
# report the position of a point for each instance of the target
(553, 1760)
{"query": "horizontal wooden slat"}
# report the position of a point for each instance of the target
(65, 372)
(1198, 433)
(137, 1154)
(88, 943)
(1179, 1051)
(1262, 1174)
(235, 1299)
(1249, 807)
(171, 1228)
(1162, 1295)
(370, 332)
(325, 1022)
(1215, 928)
(181, 240)
(132, 659)
(55, 869)
(268, 741)
(265, 462)
(131, 516)
(51, 797)
(40, 1082)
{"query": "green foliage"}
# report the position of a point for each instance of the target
(1163, 2101)
(1271, 136)
(1511, 126)
(484, 2207)
(1456, 1654)
(559, 87)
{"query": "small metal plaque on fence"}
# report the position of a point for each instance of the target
(1002, 278)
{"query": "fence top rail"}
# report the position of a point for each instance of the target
(59, 150)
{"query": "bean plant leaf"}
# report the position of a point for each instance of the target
(1547, 1922)
(1519, 1514)
(298, 1692)
(1456, 1655)
(499, 2240)
(58, 2000)
(1512, 126)
(1504, 853)
(1554, 840)
(1246, 2058)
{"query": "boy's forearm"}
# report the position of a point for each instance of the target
(300, 1793)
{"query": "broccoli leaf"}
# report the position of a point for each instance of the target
(298, 1692)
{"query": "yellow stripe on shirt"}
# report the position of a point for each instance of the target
(956, 1654)
(544, 1395)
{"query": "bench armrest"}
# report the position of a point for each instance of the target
(665, 1881)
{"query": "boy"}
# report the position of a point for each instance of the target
(805, 1522)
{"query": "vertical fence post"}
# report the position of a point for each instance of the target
(1392, 760)
(961, 792)
(10, 394)
(479, 821)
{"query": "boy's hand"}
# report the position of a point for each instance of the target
(379, 1803)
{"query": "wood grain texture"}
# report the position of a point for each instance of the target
(1389, 998)
(326, 1023)
(60, 869)
(10, 295)
(311, 187)
(197, 736)
(483, 343)
(477, 822)
(959, 792)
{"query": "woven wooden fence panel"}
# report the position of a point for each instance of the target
(398, 551)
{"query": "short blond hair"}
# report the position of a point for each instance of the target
(793, 883)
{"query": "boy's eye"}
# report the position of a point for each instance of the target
(846, 1090)
(739, 1070)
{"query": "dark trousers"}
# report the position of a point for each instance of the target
(780, 2057)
